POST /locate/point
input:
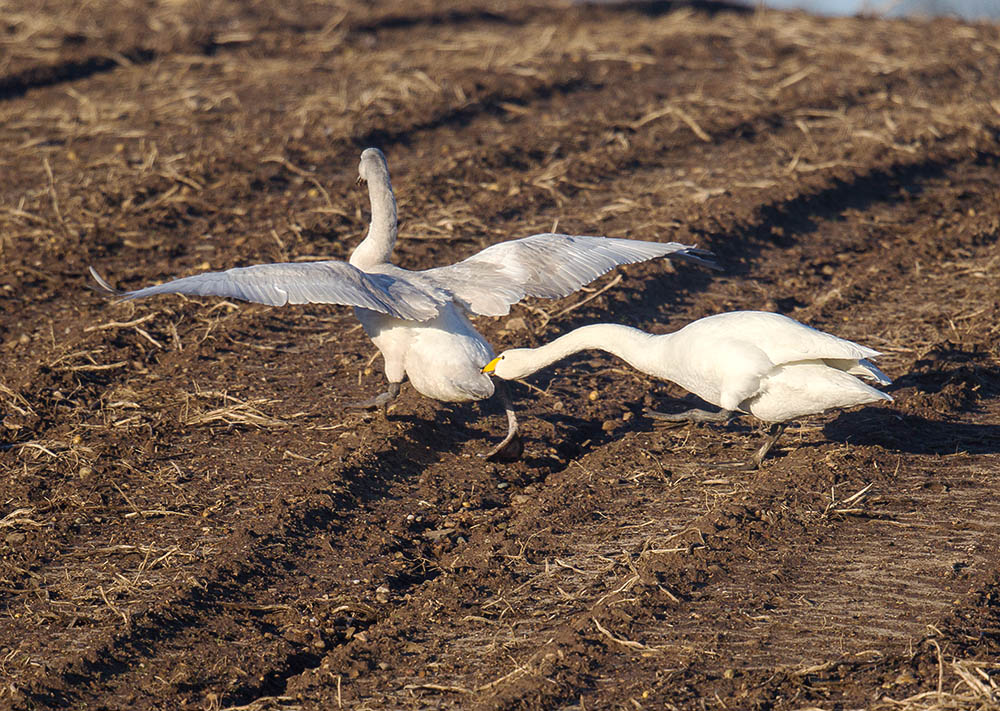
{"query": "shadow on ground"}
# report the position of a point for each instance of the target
(914, 434)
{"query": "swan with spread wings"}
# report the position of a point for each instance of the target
(419, 319)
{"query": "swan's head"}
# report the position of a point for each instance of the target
(372, 165)
(510, 365)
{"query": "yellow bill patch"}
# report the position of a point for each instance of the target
(489, 367)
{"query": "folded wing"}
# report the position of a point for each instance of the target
(544, 265)
(328, 282)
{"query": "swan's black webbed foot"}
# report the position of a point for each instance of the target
(510, 450)
(379, 402)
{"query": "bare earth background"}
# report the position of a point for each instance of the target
(190, 520)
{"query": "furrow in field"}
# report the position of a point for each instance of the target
(278, 649)
(814, 590)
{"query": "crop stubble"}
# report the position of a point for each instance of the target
(190, 519)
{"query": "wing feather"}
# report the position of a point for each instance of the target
(544, 265)
(328, 282)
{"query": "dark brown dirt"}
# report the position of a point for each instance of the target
(189, 518)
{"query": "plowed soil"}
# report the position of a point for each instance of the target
(190, 519)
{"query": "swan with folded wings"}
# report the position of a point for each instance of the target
(763, 364)
(418, 319)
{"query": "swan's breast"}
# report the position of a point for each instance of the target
(445, 356)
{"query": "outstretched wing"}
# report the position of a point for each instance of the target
(545, 265)
(328, 282)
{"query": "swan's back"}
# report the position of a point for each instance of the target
(780, 338)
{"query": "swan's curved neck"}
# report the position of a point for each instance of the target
(376, 248)
(632, 345)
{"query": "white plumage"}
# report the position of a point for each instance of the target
(417, 319)
(763, 364)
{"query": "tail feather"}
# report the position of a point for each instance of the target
(862, 368)
(866, 369)
(103, 286)
(694, 255)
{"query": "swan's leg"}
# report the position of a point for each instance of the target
(692, 415)
(380, 401)
(773, 433)
(511, 448)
